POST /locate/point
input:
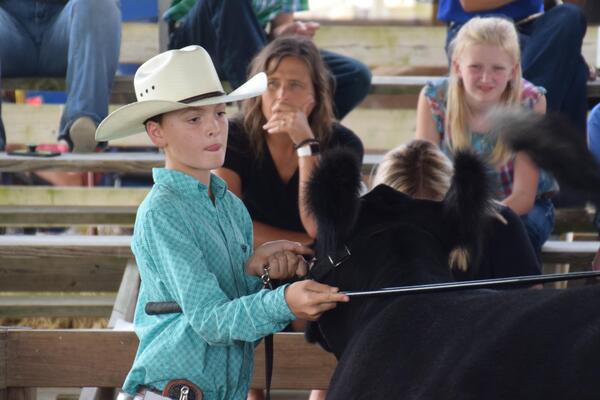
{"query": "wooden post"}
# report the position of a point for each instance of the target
(123, 309)
(3, 361)
(127, 295)
(10, 393)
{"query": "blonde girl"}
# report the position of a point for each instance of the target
(485, 72)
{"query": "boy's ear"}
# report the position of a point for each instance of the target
(156, 134)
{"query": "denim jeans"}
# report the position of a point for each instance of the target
(539, 223)
(80, 40)
(593, 132)
(231, 34)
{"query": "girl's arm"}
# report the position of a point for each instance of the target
(426, 129)
(263, 232)
(524, 190)
(483, 5)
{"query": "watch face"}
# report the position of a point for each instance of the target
(308, 150)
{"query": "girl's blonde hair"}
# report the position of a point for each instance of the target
(487, 31)
(418, 169)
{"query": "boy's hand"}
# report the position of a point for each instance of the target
(309, 299)
(283, 258)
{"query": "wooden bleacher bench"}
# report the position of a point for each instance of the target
(78, 358)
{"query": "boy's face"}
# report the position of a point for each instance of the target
(194, 139)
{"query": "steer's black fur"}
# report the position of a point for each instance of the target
(478, 344)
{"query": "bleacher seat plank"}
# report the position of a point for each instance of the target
(61, 274)
(129, 162)
(60, 216)
(65, 206)
(76, 358)
(558, 251)
(22, 306)
(75, 196)
(68, 246)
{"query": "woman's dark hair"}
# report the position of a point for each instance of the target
(268, 60)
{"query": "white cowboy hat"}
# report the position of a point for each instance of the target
(171, 81)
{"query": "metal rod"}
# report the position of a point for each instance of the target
(170, 307)
(163, 307)
(476, 284)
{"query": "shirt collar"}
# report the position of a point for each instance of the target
(187, 185)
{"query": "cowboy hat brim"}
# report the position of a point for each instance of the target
(129, 119)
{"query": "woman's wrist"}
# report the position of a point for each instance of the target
(308, 147)
(305, 142)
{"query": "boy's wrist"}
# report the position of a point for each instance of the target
(253, 267)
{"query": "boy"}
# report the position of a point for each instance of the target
(193, 240)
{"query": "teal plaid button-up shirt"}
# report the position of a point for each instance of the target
(192, 251)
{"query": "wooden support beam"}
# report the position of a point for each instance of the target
(109, 355)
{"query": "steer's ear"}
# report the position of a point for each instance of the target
(333, 198)
(468, 206)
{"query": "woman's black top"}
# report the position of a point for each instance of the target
(268, 199)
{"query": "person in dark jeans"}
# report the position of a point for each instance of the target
(233, 32)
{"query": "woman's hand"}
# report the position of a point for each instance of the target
(301, 28)
(284, 259)
(309, 299)
(292, 120)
